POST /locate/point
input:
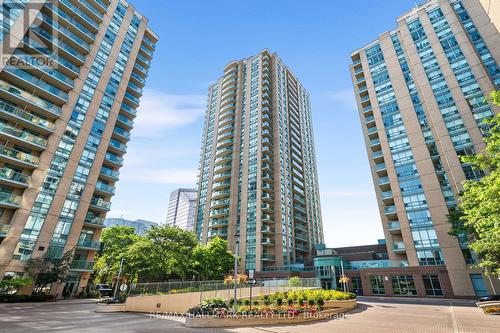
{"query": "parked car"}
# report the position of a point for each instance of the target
(489, 298)
(104, 290)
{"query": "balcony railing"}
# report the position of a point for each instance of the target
(105, 187)
(23, 135)
(82, 265)
(21, 114)
(95, 221)
(398, 246)
(89, 244)
(394, 226)
(9, 174)
(386, 194)
(390, 210)
(110, 173)
(4, 229)
(100, 203)
(33, 99)
(19, 155)
(113, 158)
(10, 199)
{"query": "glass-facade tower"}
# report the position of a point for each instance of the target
(69, 89)
(421, 96)
(258, 183)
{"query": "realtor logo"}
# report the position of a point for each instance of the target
(30, 34)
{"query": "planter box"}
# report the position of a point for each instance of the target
(351, 303)
(284, 319)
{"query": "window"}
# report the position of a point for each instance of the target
(404, 285)
(432, 285)
(377, 283)
(356, 285)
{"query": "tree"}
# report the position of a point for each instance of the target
(165, 252)
(45, 271)
(12, 286)
(478, 213)
(117, 241)
(214, 260)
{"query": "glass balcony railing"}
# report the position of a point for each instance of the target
(105, 187)
(146, 50)
(19, 155)
(113, 158)
(141, 68)
(21, 114)
(138, 78)
(118, 145)
(82, 265)
(121, 132)
(4, 229)
(96, 220)
(91, 8)
(62, 45)
(266, 256)
(125, 120)
(149, 42)
(363, 264)
(383, 180)
(380, 166)
(374, 142)
(110, 173)
(23, 135)
(369, 119)
(386, 195)
(390, 210)
(372, 130)
(33, 99)
(65, 31)
(377, 154)
(37, 82)
(90, 244)
(47, 70)
(367, 108)
(143, 59)
(100, 203)
(135, 88)
(129, 109)
(42, 49)
(9, 174)
(394, 226)
(134, 99)
(398, 246)
(71, 19)
(80, 13)
(102, 4)
(10, 199)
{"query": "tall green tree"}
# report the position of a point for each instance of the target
(214, 260)
(478, 213)
(117, 241)
(44, 271)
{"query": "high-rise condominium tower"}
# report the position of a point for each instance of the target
(181, 208)
(421, 96)
(258, 184)
(71, 77)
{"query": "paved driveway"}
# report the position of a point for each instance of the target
(372, 315)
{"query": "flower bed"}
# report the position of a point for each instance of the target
(277, 308)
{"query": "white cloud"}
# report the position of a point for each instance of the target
(345, 97)
(160, 112)
(163, 176)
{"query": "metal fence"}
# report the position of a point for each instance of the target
(219, 288)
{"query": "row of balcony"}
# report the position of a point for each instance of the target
(27, 137)
(21, 115)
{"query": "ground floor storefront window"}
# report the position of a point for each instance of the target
(403, 285)
(377, 283)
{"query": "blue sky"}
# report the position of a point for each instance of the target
(197, 39)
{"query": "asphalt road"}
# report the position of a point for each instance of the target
(372, 315)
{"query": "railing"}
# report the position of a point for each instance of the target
(394, 226)
(82, 265)
(7, 173)
(94, 220)
(44, 104)
(99, 202)
(23, 135)
(89, 244)
(105, 187)
(390, 210)
(362, 264)
(19, 155)
(219, 288)
(10, 199)
(4, 229)
(398, 246)
(19, 113)
(288, 268)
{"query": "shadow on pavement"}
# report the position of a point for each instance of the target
(418, 301)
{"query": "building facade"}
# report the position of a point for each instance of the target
(141, 227)
(181, 208)
(257, 184)
(69, 89)
(421, 93)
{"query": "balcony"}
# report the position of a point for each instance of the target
(33, 141)
(368, 109)
(128, 109)
(88, 244)
(113, 159)
(17, 95)
(140, 80)
(390, 210)
(9, 200)
(121, 133)
(125, 121)
(217, 233)
(387, 196)
(266, 229)
(80, 14)
(394, 227)
(372, 130)
(370, 120)
(117, 146)
(398, 247)
(103, 188)
(19, 158)
(377, 155)
(29, 120)
(375, 143)
(100, 203)
(135, 101)
(81, 266)
(380, 167)
(94, 222)
(364, 264)
(11, 177)
(302, 248)
(267, 241)
(4, 230)
(109, 173)
(268, 257)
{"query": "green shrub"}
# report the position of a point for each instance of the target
(320, 301)
(247, 302)
(295, 281)
(290, 301)
(255, 302)
(311, 302)
(279, 301)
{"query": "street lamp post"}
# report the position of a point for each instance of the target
(118, 278)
